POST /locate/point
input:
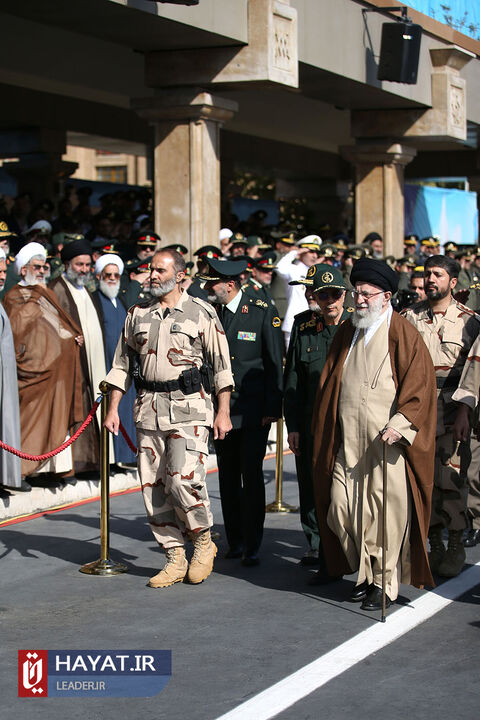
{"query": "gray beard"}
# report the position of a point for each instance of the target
(110, 291)
(163, 288)
(76, 278)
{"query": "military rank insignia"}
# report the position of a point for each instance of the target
(243, 335)
(276, 322)
(244, 309)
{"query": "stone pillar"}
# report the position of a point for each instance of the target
(186, 178)
(40, 168)
(379, 205)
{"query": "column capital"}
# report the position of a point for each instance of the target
(389, 153)
(185, 105)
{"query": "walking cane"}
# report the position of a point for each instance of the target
(384, 526)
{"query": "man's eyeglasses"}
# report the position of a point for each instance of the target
(326, 294)
(38, 267)
(366, 296)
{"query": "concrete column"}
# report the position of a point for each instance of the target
(379, 205)
(186, 163)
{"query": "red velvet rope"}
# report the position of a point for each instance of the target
(127, 439)
(52, 453)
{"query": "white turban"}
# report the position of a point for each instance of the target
(27, 252)
(225, 234)
(108, 259)
(2, 254)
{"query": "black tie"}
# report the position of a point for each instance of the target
(226, 318)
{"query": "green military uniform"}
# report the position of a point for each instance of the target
(309, 344)
(307, 352)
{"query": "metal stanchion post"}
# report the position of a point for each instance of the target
(278, 505)
(104, 566)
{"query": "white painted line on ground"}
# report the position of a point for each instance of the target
(293, 688)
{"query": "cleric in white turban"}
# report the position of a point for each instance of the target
(27, 253)
(108, 259)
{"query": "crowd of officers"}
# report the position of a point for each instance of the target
(301, 284)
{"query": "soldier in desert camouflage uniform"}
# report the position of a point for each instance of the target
(168, 343)
(448, 329)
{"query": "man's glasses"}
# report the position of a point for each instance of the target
(326, 294)
(38, 267)
(366, 296)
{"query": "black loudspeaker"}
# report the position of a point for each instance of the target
(399, 52)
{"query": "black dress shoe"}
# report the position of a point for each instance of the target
(472, 538)
(359, 592)
(310, 558)
(373, 601)
(234, 553)
(250, 560)
(323, 578)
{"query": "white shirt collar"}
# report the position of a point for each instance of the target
(233, 304)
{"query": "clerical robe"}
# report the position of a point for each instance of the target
(113, 319)
(49, 375)
(9, 411)
(346, 421)
(79, 305)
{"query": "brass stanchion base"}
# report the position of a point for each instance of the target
(278, 506)
(104, 567)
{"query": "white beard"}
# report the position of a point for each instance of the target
(366, 317)
(110, 291)
(30, 279)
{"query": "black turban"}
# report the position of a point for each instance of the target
(74, 248)
(375, 272)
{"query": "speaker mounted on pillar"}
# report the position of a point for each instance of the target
(399, 52)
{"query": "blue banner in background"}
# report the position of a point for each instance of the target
(450, 214)
(461, 15)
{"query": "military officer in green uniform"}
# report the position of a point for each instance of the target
(255, 341)
(312, 333)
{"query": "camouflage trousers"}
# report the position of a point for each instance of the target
(473, 473)
(172, 469)
(449, 499)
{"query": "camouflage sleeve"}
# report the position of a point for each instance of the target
(467, 391)
(119, 376)
(217, 353)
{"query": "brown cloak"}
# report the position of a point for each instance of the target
(414, 378)
(48, 369)
(86, 450)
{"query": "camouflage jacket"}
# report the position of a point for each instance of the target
(190, 334)
(448, 337)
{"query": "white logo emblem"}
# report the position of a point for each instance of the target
(32, 673)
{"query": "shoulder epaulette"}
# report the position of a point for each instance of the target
(205, 305)
(259, 303)
(304, 315)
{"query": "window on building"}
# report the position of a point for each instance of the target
(114, 174)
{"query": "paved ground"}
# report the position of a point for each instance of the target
(231, 637)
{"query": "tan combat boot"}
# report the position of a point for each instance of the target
(437, 548)
(454, 559)
(174, 569)
(201, 564)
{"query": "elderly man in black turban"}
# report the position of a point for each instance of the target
(77, 302)
(377, 387)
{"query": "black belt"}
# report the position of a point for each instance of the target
(165, 386)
